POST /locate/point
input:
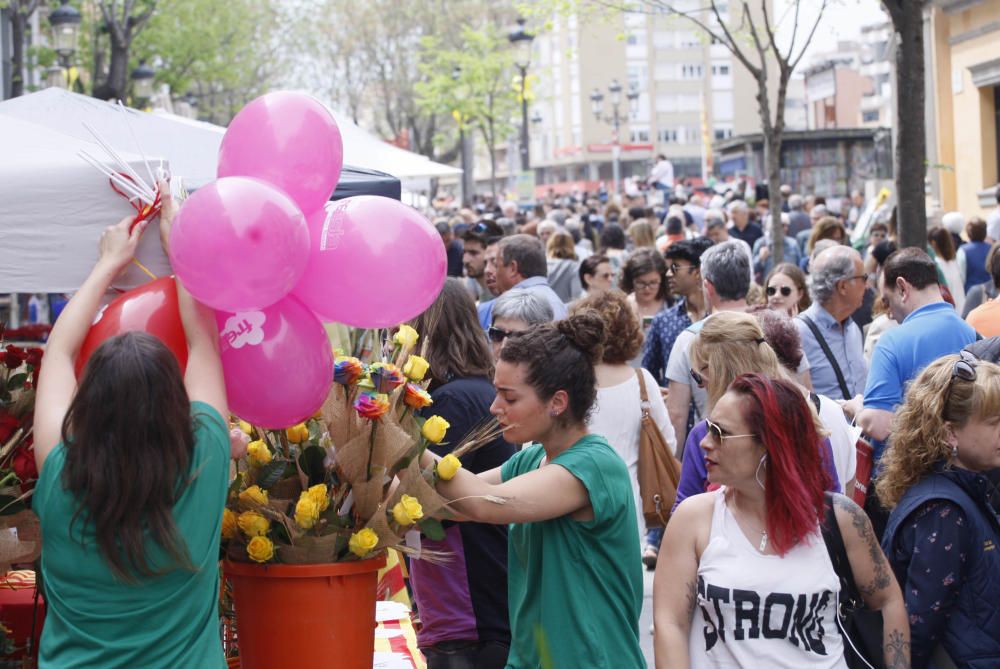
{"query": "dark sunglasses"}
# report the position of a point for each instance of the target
(785, 290)
(698, 379)
(497, 335)
(964, 370)
(719, 435)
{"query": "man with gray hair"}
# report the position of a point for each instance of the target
(516, 311)
(831, 340)
(743, 228)
(725, 278)
(798, 219)
(521, 264)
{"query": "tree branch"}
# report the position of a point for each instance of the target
(819, 18)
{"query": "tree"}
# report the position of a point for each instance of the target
(124, 21)
(481, 96)
(750, 36)
(20, 11)
(910, 166)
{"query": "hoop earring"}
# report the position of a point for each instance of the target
(954, 451)
(756, 474)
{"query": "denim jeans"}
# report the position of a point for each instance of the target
(466, 655)
(654, 536)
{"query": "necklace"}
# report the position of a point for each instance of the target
(763, 533)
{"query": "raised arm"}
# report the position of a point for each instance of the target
(203, 377)
(545, 493)
(57, 379)
(875, 581)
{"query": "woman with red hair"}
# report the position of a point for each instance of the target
(744, 578)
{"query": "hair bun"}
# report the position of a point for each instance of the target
(586, 331)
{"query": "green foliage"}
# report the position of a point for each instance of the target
(432, 529)
(311, 462)
(271, 473)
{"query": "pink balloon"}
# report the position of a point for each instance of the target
(277, 363)
(289, 140)
(373, 263)
(239, 244)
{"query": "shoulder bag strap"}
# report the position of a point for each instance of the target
(828, 353)
(643, 397)
(837, 551)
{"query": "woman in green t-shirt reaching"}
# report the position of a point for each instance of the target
(134, 464)
(575, 579)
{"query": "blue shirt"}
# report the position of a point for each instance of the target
(660, 340)
(847, 345)
(791, 254)
(535, 284)
(924, 336)
(975, 264)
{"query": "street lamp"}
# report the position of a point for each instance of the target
(142, 84)
(616, 118)
(468, 186)
(521, 40)
(65, 21)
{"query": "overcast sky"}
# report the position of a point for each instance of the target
(842, 20)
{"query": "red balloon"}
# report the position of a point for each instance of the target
(150, 308)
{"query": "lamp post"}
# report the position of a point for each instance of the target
(521, 40)
(65, 22)
(142, 84)
(467, 184)
(616, 118)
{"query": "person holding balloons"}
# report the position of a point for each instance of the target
(134, 462)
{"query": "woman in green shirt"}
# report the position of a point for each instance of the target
(575, 579)
(134, 465)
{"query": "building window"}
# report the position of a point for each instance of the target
(723, 133)
(720, 70)
(870, 116)
(691, 71)
(639, 135)
(667, 136)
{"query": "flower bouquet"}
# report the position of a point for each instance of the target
(346, 484)
(19, 369)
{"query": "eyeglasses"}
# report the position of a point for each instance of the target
(698, 379)
(497, 335)
(647, 285)
(964, 370)
(863, 277)
(785, 290)
(719, 435)
(676, 269)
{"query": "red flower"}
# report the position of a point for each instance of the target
(24, 465)
(15, 356)
(8, 426)
(34, 357)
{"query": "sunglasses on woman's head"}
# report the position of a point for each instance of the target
(785, 290)
(497, 335)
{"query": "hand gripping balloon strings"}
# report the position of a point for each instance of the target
(144, 211)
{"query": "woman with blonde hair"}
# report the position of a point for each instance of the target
(640, 232)
(943, 533)
(730, 344)
(564, 269)
(827, 227)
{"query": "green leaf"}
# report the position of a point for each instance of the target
(271, 473)
(311, 461)
(432, 529)
(16, 381)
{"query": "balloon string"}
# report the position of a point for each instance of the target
(144, 269)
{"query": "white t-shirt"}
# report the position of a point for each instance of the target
(617, 416)
(843, 440)
(679, 370)
(757, 610)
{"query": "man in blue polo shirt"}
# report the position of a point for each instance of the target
(929, 328)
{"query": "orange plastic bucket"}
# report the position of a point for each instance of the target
(305, 616)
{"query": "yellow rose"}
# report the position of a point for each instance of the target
(258, 453)
(406, 337)
(408, 510)
(254, 495)
(253, 524)
(434, 429)
(306, 512)
(447, 467)
(246, 427)
(296, 434)
(260, 549)
(364, 542)
(229, 526)
(319, 494)
(415, 368)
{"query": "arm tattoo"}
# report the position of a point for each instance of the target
(897, 651)
(859, 521)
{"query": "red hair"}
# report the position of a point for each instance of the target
(796, 480)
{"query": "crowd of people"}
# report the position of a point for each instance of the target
(563, 322)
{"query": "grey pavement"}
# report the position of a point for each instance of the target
(646, 618)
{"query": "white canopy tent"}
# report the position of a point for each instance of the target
(53, 208)
(193, 146)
